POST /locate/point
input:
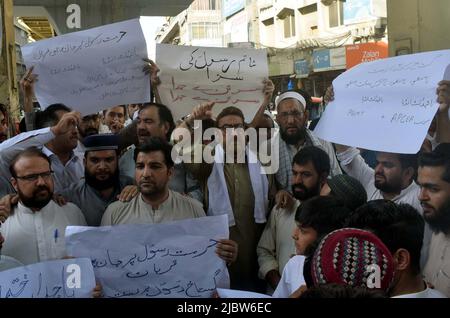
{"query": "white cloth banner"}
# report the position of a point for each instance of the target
(93, 69)
(175, 259)
(68, 278)
(385, 105)
(194, 75)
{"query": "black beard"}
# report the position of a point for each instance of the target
(393, 187)
(33, 202)
(99, 185)
(307, 194)
(440, 221)
(295, 138)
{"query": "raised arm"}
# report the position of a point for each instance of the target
(200, 171)
(350, 159)
(152, 69)
(443, 115)
(27, 88)
(268, 92)
(36, 138)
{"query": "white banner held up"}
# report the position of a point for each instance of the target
(385, 105)
(93, 69)
(193, 75)
(68, 278)
(175, 259)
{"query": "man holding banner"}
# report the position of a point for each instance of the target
(292, 117)
(156, 203)
(235, 187)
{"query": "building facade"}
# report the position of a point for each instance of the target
(418, 26)
(199, 25)
(308, 40)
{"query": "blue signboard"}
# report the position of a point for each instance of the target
(321, 59)
(301, 68)
(230, 7)
(356, 10)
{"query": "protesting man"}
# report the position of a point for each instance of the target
(89, 125)
(102, 182)
(310, 169)
(292, 118)
(114, 119)
(434, 181)
(156, 203)
(234, 185)
(57, 141)
(34, 231)
(156, 120)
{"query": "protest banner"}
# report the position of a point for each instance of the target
(385, 105)
(194, 75)
(93, 69)
(174, 259)
(68, 278)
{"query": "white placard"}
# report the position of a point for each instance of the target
(92, 69)
(385, 105)
(68, 278)
(193, 75)
(174, 260)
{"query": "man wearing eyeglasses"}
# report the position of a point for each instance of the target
(34, 231)
(233, 184)
(292, 117)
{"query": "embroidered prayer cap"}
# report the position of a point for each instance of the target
(353, 257)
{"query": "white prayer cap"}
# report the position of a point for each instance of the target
(290, 94)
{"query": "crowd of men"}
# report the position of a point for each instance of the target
(290, 231)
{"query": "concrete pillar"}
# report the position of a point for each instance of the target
(9, 90)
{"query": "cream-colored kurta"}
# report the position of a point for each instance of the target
(437, 268)
(276, 245)
(176, 207)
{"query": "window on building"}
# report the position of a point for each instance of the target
(289, 25)
(336, 13)
(268, 32)
(206, 5)
(204, 30)
(309, 18)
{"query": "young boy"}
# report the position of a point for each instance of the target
(401, 229)
(315, 218)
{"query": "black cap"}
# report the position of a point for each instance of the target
(101, 142)
(349, 190)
